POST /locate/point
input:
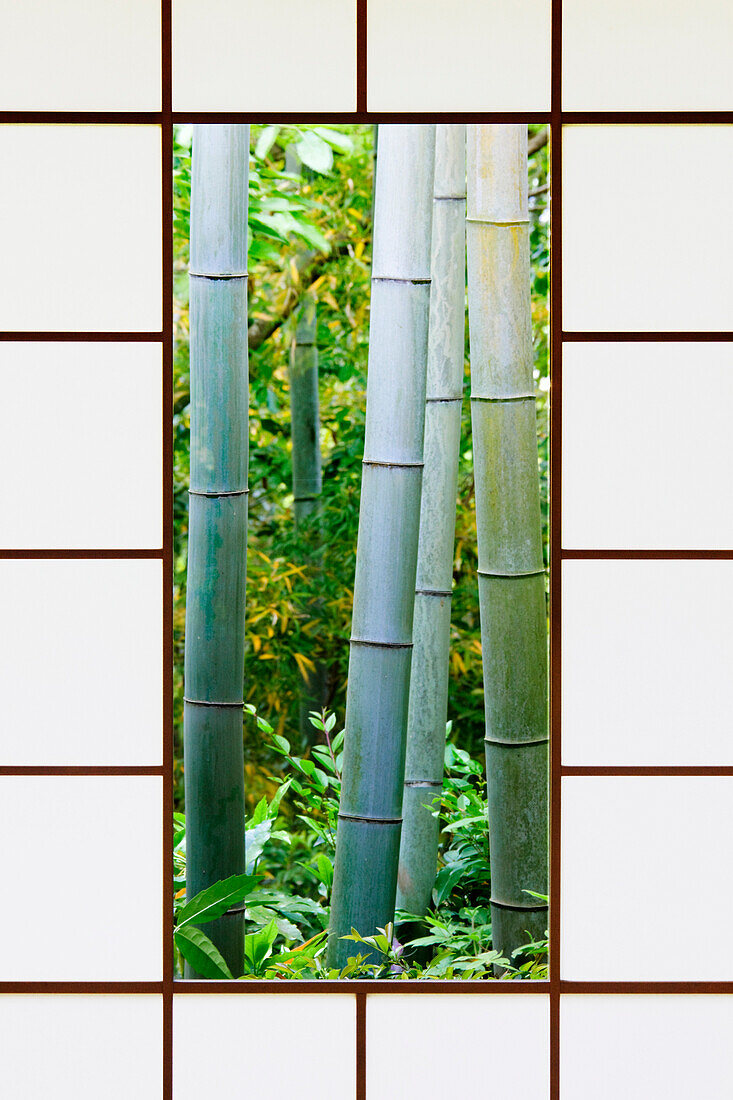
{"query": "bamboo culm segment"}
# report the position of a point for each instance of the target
(306, 460)
(214, 648)
(368, 835)
(428, 701)
(304, 412)
(511, 579)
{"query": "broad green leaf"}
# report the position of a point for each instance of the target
(333, 137)
(313, 236)
(260, 812)
(274, 805)
(265, 141)
(200, 952)
(258, 945)
(315, 152)
(325, 869)
(215, 900)
(254, 842)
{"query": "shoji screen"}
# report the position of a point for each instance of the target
(639, 100)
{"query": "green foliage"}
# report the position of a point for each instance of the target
(289, 842)
(312, 231)
(300, 617)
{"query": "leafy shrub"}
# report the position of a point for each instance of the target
(290, 849)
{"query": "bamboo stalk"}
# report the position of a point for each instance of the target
(305, 430)
(511, 573)
(431, 625)
(368, 835)
(304, 412)
(217, 534)
(306, 459)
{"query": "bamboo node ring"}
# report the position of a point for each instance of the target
(507, 224)
(519, 908)
(398, 465)
(208, 703)
(516, 397)
(433, 592)
(372, 820)
(381, 645)
(213, 493)
(219, 275)
(399, 279)
(511, 576)
(516, 744)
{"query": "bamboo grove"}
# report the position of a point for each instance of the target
(450, 230)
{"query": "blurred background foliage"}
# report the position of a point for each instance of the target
(310, 221)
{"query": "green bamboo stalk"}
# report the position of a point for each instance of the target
(217, 532)
(431, 625)
(511, 573)
(368, 835)
(305, 429)
(306, 459)
(304, 412)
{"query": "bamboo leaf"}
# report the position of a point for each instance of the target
(255, 839)
(315, 152)
(198, 950)
(334, 138)
(213, 902)
(265, 141)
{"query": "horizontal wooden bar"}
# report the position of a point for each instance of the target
(81, 987)
(644, 555)
(82, 769)
(197, 117)
(119, 118)
(623, 118)
(81, 552)
(646, 337)
(645, 769)
(348, 986)
(83, 337)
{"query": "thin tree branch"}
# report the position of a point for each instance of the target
(309, 266)
(537, 142)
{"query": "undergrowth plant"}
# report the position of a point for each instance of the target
(286, 890)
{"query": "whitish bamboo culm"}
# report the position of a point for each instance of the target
(510, 566)
(368, 835)
(431, 625)
(217, 530)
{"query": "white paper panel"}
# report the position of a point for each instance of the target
(647, 55)
(81, 1047)
(646, 246)
(646, 876)
(647, 653)
(230, 55)
(81, 445)
(457, 1045)
(264, 1045)
(426, 55)
(645, 446)
(80, 55)
(640, 1046)
(81, 670)
(82, 864)
(80, 228)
